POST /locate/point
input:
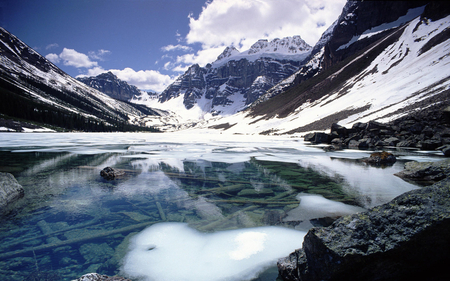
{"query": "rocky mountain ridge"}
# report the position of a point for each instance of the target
(109, 84)
(392, 67)
(34, 89)
(235, 80)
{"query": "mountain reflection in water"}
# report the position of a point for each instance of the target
(215, 187)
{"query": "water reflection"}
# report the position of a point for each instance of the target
(71, 221)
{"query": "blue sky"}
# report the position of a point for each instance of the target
(148, 43)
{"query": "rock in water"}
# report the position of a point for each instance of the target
(10, 190)
(425, 171)
(380, 158)
(109, 173)
(405, 239)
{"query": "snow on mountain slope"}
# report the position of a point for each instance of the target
(413, 69)
(42, 81)
(412, 13)
(233, 82)
(288, 48)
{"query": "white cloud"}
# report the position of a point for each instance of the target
(99, 55)
(144, 79)
(178, 47)
(76, 59)
(242, 22)
(54, 58)
(51, 46)
(95, 71)
(202, 57)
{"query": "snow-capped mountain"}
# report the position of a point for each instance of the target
(34, 89)
(234, 81)
(381, 61)
(109, 84)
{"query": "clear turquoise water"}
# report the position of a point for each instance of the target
(72, 222)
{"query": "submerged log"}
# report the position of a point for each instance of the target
(161, 211)
(75, 241)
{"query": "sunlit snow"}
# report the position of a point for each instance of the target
(174, 251)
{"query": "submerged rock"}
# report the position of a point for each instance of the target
(405, 239)
(425, 171)
(109, 173)
(99, 277)
(10, 190)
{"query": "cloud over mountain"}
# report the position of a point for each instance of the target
(241, 23)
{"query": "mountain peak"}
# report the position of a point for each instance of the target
(287, 45)
(228, 52)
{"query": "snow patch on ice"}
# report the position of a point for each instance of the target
(227, 255)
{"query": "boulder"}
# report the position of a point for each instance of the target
(406, 143)
(431, 144)
(445, 149)
(99, 277)
(339, 130)
(392, 141)
(425, 171)
(109, 173)
(405, 239)
(317, 137)
(380, 158)
(10, 190)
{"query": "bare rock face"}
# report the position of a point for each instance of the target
(405, 239)
(10, 190)
(109, 84)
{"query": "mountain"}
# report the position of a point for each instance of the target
(34, 89)
(380, 60)
(235, 80)
(109, 84)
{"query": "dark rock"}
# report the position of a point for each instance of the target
(405, 239)
(379, 158)
(309, 137)
(392, 141)
(10, 190)
(446, 150)
(359, 126)
(353, 144)
(425, 171)
(364, 143)
(406, 143)
(430, 144)
(329, 148)
(428, 131)
(99, 277)
(317, 137)
(109, 173)
(340, 130)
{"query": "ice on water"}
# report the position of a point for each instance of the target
(174, 251)
(238, 254)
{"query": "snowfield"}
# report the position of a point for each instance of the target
(401, 75)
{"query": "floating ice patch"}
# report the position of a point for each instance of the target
(316, 206)
(174, 251)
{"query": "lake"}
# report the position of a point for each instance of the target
(191, 206)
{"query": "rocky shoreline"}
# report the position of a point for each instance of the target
(405, 239)
(426, 130)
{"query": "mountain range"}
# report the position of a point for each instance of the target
(380, 60)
